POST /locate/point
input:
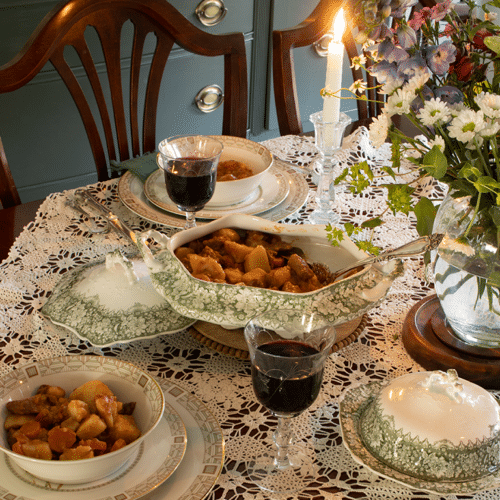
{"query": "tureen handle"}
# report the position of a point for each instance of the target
(151, 262)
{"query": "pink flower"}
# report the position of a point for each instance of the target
(419, 18)
(439, 11)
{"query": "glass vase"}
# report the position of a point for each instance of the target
(328, 140)
(465, 274)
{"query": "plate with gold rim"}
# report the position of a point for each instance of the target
(273, 190)
(131, 194)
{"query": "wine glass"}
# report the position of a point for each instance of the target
(287, 349)
(189, 163)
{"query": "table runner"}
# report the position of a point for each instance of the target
(59, 240)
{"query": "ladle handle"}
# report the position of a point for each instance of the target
(415, 247)
(83, 197)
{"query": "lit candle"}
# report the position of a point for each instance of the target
(331, 104)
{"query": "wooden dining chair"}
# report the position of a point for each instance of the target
(65, 26)
(306, 33)
(9, 197)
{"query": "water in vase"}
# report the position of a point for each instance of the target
(472, 308)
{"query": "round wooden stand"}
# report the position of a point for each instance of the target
(232, 342)
(432, 344)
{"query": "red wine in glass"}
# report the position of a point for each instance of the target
(290, 387)
(189, 191)
(190, 164)
(288, 349)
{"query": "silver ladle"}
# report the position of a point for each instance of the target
(415, 247)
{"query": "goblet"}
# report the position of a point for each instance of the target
(190, 164)
(287, 349)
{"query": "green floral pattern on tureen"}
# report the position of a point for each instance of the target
(235, 305)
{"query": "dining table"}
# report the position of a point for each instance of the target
(225, 424)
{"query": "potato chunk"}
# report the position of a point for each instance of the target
(78, 453)
(125, 428)
(89, 391)
(91, 427)
(257, 259)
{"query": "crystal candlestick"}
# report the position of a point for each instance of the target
(328, 137)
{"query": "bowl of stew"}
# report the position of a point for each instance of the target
(243, 166)
(76, 419)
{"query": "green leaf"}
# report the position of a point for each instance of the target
(399, 198)
(435, 163)
(371, 223)
(493, 43)
(486, 184)
(426, 213)
(334, 235)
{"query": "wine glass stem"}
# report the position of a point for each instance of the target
(190, 220)
(282, 439)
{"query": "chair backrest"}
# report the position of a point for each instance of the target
(9, 197)
(65, 26)
(306, 33)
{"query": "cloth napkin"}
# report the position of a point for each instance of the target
(142, 166)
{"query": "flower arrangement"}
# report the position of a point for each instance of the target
(439, 68)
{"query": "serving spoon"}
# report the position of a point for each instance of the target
(415, 247)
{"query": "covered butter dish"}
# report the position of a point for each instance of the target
(434, 426)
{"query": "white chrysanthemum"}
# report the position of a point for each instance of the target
(490, 129)
(358, 62)
(434, 111)
(391, 85)
(437, 141)
(358, 86)
(466, 125)
(489, 104)
(378, 129)
(399, 102)
(418, 81)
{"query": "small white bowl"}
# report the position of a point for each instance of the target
(433, 426)
(128, 383)
(252, 154)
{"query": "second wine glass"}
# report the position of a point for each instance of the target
(287, 349)
(190, 166)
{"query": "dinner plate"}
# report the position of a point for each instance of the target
(156, 460)
(352, 407)
(202, 463)
(98, 303)
(131, 193)
(270, 193)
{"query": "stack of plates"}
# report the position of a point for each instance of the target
(183, 455)
(281, 194)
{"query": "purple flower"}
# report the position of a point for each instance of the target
(449, 94)
(412, 66)
(439, 57)
(406, 36)
(399, 10)
(384, 70)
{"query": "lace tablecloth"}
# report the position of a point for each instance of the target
(59, 240)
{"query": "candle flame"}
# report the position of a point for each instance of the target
(338, 26)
